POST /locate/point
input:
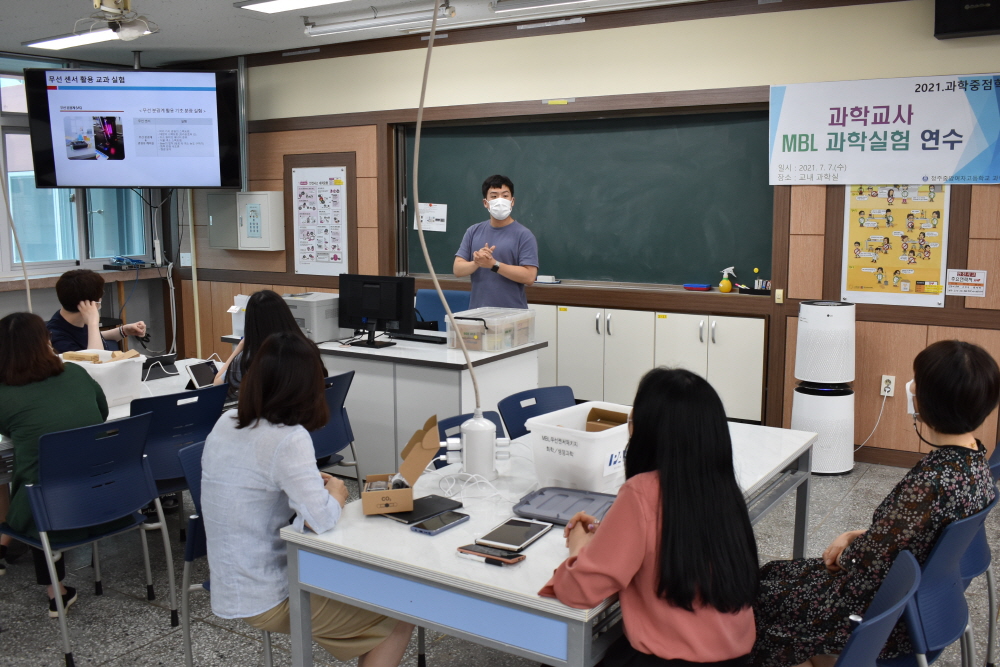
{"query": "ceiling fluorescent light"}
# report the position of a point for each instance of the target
(319, 30)
(275, 6)
(67, 41)
(501, 6)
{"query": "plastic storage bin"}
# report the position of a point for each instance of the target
(493, 329)
(567, 455)
(121, 380)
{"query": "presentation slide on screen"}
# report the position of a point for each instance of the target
(122, 129)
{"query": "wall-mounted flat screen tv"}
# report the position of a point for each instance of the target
(127, 129)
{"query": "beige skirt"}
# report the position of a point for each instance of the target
(344, 631)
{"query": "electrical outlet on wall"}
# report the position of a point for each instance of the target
(888, 386)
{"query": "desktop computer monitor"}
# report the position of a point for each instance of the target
(376, 303)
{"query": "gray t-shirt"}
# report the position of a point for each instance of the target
(515, 245)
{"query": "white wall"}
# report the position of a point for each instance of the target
(146, 305)
(859, 42)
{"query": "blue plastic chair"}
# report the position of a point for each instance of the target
(451, 426)
(178, 420)
(196, 547)
(977, 560)
(869, 637)
(938, 615)
(87, 477)
(522, 406)
(337, 434)
(428, 304)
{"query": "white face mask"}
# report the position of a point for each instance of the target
(500, 208)
(909, 398)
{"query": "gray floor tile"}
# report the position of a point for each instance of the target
(121, 628)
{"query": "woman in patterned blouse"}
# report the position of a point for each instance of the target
(803, 606)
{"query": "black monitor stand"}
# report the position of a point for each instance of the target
(370, 340)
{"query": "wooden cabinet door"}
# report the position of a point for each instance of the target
(736, 364)
(682, 342)
(628, 352)
(580, 351)
(545, 329)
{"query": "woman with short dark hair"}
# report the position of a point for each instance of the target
(676, 546)
(75, 325)
(258, 467)
(804, 605)
(266, 314)
(38, 395)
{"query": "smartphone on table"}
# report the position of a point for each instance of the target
(490, 555)
(439, 523)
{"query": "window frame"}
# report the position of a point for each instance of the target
(10, 268)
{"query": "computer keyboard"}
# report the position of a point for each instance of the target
(421, 338)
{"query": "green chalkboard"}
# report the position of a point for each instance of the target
(668, 199)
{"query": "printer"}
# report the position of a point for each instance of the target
(317, 313)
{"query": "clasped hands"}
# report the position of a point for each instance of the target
(579, 532)
(484, 256)
(91, 311)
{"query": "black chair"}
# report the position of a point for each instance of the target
(88, 477)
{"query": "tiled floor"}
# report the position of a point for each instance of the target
(123, 629)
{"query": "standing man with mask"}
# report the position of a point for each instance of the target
(500, 254)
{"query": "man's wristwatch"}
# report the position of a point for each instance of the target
(496, 267)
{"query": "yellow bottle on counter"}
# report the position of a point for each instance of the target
(726, 285)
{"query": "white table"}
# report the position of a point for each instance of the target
(381, 565)
(395, 389)
(160, 387)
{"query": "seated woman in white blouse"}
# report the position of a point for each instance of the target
(258, 468)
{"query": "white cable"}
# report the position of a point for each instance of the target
(884, 396)
(162, 367)
(416, 198)
(17, 240)
(216, 355)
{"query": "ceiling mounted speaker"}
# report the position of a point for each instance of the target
(966, 18)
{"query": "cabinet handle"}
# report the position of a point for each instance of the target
(209, 221)
(713, 331)
(241, 221)
(607, 327)
(597, 324)
(701, 331)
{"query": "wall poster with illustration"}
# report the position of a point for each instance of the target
(895, 244)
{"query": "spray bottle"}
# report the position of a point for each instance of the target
(726, 285)
(479, 446)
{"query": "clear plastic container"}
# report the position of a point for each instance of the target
(494, 329)
(567, 455)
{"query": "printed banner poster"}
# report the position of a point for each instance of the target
(934, 129)
(320, 219)
(895, 244)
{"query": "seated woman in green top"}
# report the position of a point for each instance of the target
(39, 395)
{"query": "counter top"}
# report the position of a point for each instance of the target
(414, 353)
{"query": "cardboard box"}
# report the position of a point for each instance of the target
(601, 420)
(419, 451)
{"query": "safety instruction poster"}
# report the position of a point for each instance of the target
(895, 244)
(320, 218)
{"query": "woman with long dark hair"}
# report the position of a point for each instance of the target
(804, 605)
(259, 467)
(677, 545)
(267, 313)
(38, 395)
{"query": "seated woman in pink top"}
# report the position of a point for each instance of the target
(677, 546)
